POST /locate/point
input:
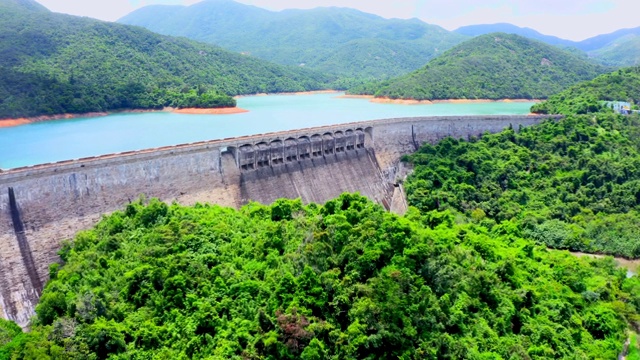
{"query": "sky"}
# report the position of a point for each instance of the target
(568, 19)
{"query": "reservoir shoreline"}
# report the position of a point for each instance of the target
(386, 100)
(10, 122)
(49, 141)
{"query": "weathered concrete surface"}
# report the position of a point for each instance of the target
(54, 201)
(318, 179)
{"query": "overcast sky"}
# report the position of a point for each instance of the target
(569, 19)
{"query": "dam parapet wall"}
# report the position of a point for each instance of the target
(42, 205)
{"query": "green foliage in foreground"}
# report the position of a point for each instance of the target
(343, 280)
(587, 97)
(634, 350)
(54, 63)
(572, 184)
(493, 66)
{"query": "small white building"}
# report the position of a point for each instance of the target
(621, 107)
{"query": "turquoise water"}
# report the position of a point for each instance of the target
(76, 138)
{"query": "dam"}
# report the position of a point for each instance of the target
(43, 205)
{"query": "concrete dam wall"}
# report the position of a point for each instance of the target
(40, 206)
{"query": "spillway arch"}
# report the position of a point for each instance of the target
(282, 150)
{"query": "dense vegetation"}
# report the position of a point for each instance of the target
(343, 280)
(596, 46)
(572, 184)
(634, 349)
(465, 274)
(624, 51)
(484, 29)
(589, 97)
(347, 43)
(494, 66)
(54, 63)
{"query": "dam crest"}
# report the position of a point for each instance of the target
(43, 205)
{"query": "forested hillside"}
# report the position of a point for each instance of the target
(621, 52)
(468, 273)
(347, 43)
(343, 280)
(53, 63)
(619, 48)
(588, 97)
(484, 29)
(572, 184)
(494, 66)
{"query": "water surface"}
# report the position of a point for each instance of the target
(52, 141)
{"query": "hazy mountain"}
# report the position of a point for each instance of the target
(29, 5)
(483, 29)
(624, 51)
(341, 41)
(601, 41)
(619, 48)
(492, 66)
(53, 63)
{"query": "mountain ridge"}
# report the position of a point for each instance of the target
(607, 49)
(493, 66)
(483, 29)
(56, 63)
(28, 5)
(319, 34)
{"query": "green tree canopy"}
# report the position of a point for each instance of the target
(342, 280)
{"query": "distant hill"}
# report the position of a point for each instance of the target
(624, 51)
(341, 41)
(53, 63)
(586, 97)
(483, 29)
(619, 48)
(601, 41)
(29, 5)
(492, 66)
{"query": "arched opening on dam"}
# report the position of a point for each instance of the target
(291, 150)
(246, 157)
(277, 152)
(340, 142)
(316, 145)
(350, 140)
(263, 155)
(304, 147)
(328, 143)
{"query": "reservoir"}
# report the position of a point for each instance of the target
(52, 141)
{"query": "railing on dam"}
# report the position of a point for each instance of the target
(292, 149)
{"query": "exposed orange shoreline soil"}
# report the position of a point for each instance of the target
(293, 93)
(383, 100)
(218, 111)
(23, 121)
(235, 110)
